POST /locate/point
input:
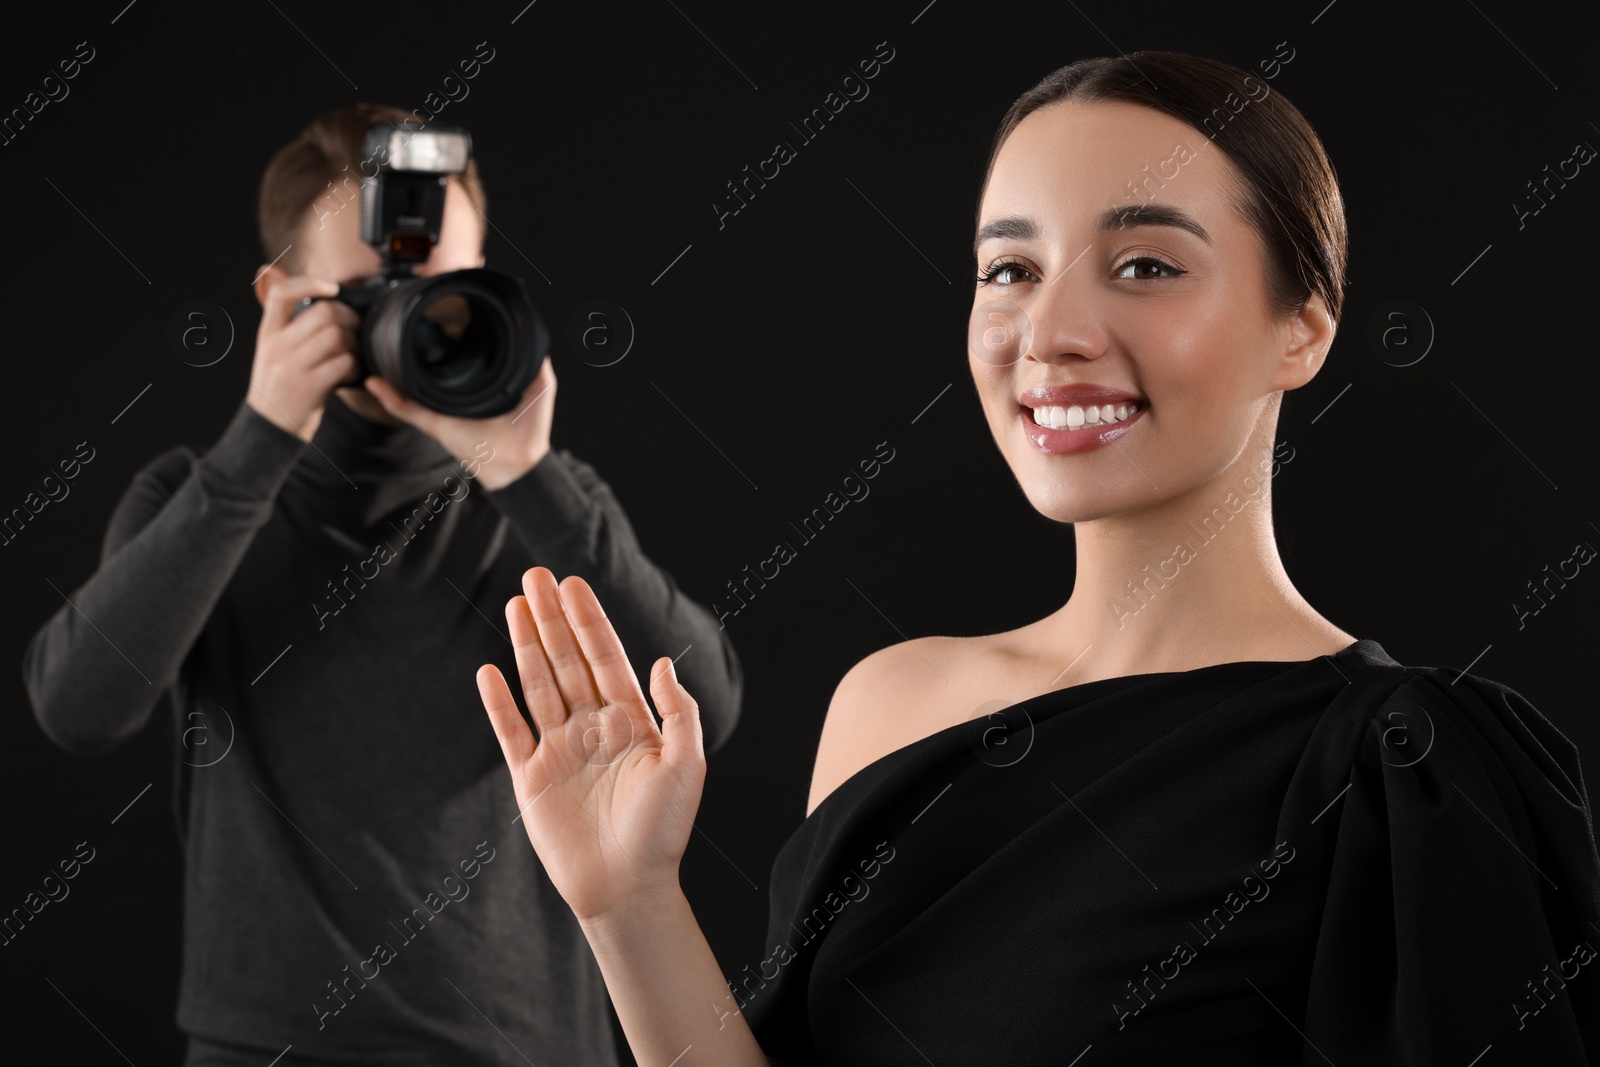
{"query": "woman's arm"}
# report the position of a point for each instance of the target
(670, 995)
(608, 799)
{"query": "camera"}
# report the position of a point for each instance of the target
(465, 343)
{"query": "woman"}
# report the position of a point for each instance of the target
(1184, 816)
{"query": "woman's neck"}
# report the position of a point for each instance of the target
(1194, 580)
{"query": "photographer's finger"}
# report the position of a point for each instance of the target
(541, 389)
(279, 306)
(345, 314)
(330, 345)
(340, 369)
(317, 317)
(323, 341)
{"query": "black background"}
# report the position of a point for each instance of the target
(818, 322)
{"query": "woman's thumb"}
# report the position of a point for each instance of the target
(680, 715)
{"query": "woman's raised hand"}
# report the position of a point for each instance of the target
(608, 798)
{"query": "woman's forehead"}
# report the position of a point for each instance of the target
(1067, 164)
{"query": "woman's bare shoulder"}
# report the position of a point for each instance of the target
(900, 694)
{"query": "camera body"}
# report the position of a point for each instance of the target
(465, 343)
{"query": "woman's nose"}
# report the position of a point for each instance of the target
(1058, 319)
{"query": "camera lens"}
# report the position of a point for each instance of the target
(457, 342)
(464, 343)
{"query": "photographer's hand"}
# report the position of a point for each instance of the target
(299, 361)
(520, 438)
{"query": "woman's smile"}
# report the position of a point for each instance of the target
(1064, 418)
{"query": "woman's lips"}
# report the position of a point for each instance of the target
(1060, 442)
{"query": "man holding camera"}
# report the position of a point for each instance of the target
(313, 590)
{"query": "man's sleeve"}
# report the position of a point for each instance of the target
(572, 523)
(98, 667)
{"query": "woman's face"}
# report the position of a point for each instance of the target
(1172, 326)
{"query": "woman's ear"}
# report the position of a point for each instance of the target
(1307, 338)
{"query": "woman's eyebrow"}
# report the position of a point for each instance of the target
(1017, 227)
(1121, 217)
(1126, 215)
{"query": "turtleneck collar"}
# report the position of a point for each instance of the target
(366, 470)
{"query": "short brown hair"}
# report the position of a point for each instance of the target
(328, 151)
(1292, 198)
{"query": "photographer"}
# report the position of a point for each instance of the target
(313, 590)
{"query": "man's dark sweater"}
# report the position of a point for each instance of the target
(355, 883)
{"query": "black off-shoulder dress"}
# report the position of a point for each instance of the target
(1339, 860)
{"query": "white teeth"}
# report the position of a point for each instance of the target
(1055, 417)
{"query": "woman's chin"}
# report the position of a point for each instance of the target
(1068, 506)
(1065, 498)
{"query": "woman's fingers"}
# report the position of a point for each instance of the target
(682, 744)
(516, 740)
(545, 702)
(608, 660)
(560, 644)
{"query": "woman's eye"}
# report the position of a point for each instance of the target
(1005, 273)
(1148, 262)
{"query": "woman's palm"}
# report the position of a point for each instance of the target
(608, 798)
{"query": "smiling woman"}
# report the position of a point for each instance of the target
(1131, 354)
